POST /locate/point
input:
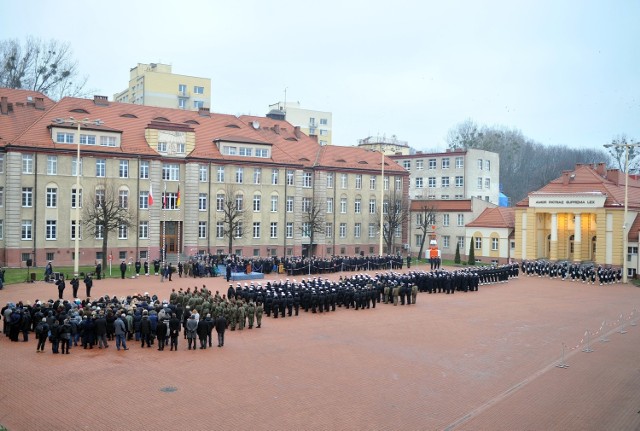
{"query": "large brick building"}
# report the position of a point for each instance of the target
(188, 161)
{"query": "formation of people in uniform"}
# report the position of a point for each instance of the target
(196, 313)
(572, 271)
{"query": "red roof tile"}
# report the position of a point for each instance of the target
(498, 217)
(23, 109)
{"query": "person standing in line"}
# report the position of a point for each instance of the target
(75, 284)
(98, 270)
(42, 332)
(123, 269)
(161, 333)
(192, 330)
(61, 286)
(221, 326)
(174, 331)
(121, 332)
(88, 284)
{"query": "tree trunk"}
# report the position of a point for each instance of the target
(105, 241)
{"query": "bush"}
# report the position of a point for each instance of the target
(472, 257)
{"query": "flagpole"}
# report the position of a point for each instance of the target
(164, 231)
(149, 233)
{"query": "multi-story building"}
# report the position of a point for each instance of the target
(387, 146)
(311, 122)
(453, 175)
(447, 226)
(154, 85)
(189, 161)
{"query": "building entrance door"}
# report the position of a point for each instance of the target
(169, 232)
(570, 248)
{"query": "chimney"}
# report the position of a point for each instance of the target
(601, 169)
(40, 103)
(204, 112)
(565, 177)
(4, 105)
(101, 100)
(297, 132)
(276, 129)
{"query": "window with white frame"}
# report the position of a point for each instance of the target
(357, 228)
(478, 241)
(87, 139)
(328, 230)
(329, 180)
(220, 174)
(52, 165)
(123, 232)
(445, 220)
(444, 182)
(52, 197)
(101, 168)
(306, 205)
(329, 205)
(445, 241)
(27, 197)
(239, 175)
(372, 230)
(419, 182)
(372, 206)
(202, 229)
(398, 183)
(487, 165)
(398, 231)
(123, 198)
(202, 201)
(458, 196)
(306, 229)
(273, 229)
(479, 183)
(418, 238)
(479, 164)
(289, 204)
(357, 206)
(372, 182)
(257, 175)
(344, 181)
(1, 163)
(343, 230)
(444, 197)
(460, 241)
(203, 173)
(143, 200)
(100, 197)
(306, 180)
(27, 163)
(197, 104)
(275, 173)
(124, 169)
(432, 182)
(445, 163)
(359, 181)
(143, 169)
(198, 89)
(239, 202)
(460, 219)
(107, 141)
(51, 229)
(460, 181)
(386, 183)
(26, 230)
(433, 164)
(419, 165)
(219, 229)
(99, 232)
(406, 164)
(289, 229)
(290, 177)
(171, 172)
(64, 138)
(256, 229)
(1, 229)
(343, 205)
(257, 202)
(459, 162)
(220, 202)
(487, 183)
(74, 166)
(143, 230)
(494, 244)
(274, 203)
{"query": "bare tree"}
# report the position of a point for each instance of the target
(395, 215)
(45, 66)
(313, 221)
(617, 151)
(108, 212)
(233, 215)
(426, 219)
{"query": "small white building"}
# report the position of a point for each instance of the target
(492, 235)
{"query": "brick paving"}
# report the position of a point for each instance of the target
(470, 361)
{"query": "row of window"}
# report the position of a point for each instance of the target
(445, 163)
(197, 89)
(460, 242)
(232, 150)
(432, 182)
(86, 139)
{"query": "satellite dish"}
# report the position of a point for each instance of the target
(255, 124)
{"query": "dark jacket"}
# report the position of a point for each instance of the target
(145, 325)
(100, 326)
(221, 324)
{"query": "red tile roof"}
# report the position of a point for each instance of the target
(634, 230)
(22, 111)
(585, 178)
(287, 145)
(498, 217)
(442, 205)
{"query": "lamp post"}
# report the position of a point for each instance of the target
(84, 122)
(381, 200)
(625, 239)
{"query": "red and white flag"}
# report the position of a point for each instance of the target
(150, 195)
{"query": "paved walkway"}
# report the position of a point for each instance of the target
(471, 361)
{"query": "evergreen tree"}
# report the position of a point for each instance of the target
(472, 257)
(457, 258)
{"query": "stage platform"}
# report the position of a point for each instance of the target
(240, 276)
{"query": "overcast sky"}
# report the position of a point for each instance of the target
(561, 71)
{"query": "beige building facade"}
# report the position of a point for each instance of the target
(312, 122)
(154, 84)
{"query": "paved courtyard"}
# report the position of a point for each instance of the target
(471, 361)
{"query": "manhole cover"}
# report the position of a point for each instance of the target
(169, 389)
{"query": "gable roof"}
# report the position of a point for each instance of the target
(587, 179)
(498, 217)
(20, 109)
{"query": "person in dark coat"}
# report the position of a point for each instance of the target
(75, 283)
(221, 326)
(88, 284)
(65, 336)
(228, 271)
(87, 331)
(55, 341)
(123, 269)
(61, 286)
(161, 332)
(203, 331)
(98, 270)
(100, 329)
(191, 329)
(174, 331)
(145, 330)
(42, 332)
(138, 267)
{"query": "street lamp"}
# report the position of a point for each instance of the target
(625, 239)
(84, 122)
